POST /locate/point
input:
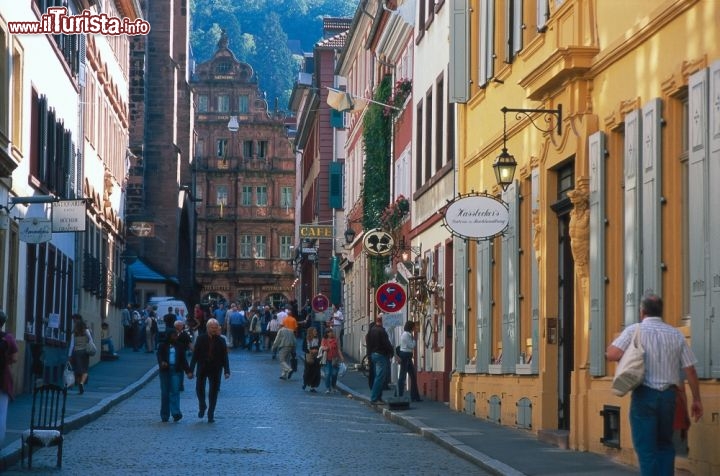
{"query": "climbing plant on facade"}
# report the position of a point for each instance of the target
(377, 128)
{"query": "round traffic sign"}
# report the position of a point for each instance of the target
(320, 303)
(390, 297)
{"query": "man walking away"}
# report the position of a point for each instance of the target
(652, 408)
(380, 350)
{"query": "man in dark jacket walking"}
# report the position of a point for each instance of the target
(210, 354)
(380, 350)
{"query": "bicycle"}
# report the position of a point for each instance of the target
(364, 365)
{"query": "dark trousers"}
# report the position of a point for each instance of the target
(238, 335)
(213, 377)
(407, 368)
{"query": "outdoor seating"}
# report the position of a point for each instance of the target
(47, 422)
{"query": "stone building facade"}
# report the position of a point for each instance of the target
(243, 186)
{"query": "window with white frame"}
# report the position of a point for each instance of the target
(243, 104)
(286, 197)
(221, 146)
(221, 246)
(223, 103)
(262, 149)
(246, 196)
(286, 247)
(261, 196)
(203, 103)
(260, 247)
(245, 246)
(221, 195)
(402, 177)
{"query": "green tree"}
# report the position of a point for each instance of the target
(273, 61)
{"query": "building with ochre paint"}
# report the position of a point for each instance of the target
(617, 201)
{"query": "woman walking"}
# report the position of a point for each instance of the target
(332, 356)
(311, 347)
(172, 362)
(81, 342)
(407, 366)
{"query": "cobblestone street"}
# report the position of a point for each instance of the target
(264, 426)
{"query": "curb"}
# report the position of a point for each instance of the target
(439, 437)
(10, 455)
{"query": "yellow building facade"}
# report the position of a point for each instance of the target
(619, 198)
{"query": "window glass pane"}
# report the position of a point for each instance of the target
(245, 246)
(286, 197)
(261, 196)
(262, 149)
(223, 103)
(260, 247)
(248, 149)
(285, 243)
(222, 195)
(221, 147)
(202, 103)
(243, 103)
(221, 247)
(246, 195)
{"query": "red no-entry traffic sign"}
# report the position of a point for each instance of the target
(390, 297)
(320, 303)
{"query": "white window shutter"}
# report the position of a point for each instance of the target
(483, 305)
(632, 204)
(543, 13)
(596, 153)
(461, 304)
(535, 275)
(714, 218)
(487, 40)
(511, 282)
(517, 26)
(651, 195)
(459, 70)
(698, 219)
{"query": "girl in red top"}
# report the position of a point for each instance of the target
(332, 356)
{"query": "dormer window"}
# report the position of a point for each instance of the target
(223, 68)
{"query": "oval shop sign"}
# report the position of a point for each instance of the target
(477, 217)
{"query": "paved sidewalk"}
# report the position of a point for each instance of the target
(497, 449)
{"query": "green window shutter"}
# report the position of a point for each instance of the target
(459, 70)
(511, 282)
(336, 119)
(651, 195)
(483, 294)
(336, 184)
(460, 284)
(596, 149)
(535, 274)
(632, 222)
(714, 220)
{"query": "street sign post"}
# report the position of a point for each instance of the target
(320, 303)
(390, 297)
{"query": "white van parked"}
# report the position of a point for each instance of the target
(163, 302)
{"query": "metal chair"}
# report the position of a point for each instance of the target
(46, 423)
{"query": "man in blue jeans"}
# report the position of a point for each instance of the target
(380, 350)
(652, 408)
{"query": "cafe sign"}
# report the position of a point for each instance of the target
(476, 216)
(312, 232)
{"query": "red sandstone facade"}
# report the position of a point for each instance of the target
(244, 186)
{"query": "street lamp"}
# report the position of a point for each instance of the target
(349, 235)
(505, 163)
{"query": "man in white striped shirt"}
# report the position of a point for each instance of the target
(652, 408)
